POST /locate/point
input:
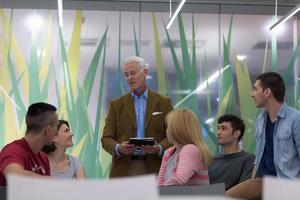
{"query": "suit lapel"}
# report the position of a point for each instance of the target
(129, 107)
(151, 104)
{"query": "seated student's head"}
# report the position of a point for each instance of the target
(183, 128)
(230, 129)
(63, 139)
(41, 118)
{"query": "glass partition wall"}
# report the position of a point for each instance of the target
(207, 61)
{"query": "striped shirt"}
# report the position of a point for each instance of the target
(187, 169)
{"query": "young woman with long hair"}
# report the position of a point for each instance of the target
(186, 163)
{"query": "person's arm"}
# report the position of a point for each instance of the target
(253, 172)
(296, 135)
(80, 174)
(189, 162)
(13, 159)
(164, 143)
(15, 168)
(162, 170)
(247, 170)
(109, 137)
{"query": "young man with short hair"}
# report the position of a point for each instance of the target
(24, 156)
(233, 165)
(277, 137)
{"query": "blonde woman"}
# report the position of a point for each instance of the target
(63, 165)
(186, 162)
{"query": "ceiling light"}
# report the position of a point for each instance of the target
(41, 53)
(203, 85)
(209, 120)
(60, 12)
(279, 30)
(175, 14)
(181, 91)
(286, 17)
(35, 23)
(241, 57)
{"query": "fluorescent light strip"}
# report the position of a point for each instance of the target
(203, 85)
(286, 17)
(175, 14)
(170, 15)
(60, 12)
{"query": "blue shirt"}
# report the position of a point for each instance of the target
(266, 166)
(140, 103)
(286, 141)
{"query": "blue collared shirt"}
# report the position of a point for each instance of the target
(140, 103)
(286, 141)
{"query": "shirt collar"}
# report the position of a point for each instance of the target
(145, 94)
(281, 113)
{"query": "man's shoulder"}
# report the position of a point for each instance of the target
(235, 156)
(161, 99)
(14, 152)
(120, 98)
(157, 95)
(292, 112)
(248, 156)
(14, 145)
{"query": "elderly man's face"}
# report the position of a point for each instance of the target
(136, 77)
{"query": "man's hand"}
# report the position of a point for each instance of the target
(151, 149)
(126, 148)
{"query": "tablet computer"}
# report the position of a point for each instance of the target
(142, 141)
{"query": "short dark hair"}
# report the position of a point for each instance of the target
(48, 148)
(61, 122)
(275, 82)
(236, 123)
(39, 115)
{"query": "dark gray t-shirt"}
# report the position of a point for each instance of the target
(231, 169)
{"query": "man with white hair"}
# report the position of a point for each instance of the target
(138, 114)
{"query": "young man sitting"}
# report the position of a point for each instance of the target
(233, 165)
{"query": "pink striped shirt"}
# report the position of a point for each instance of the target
(189, 169)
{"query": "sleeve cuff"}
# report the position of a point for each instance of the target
(117, 152)
(161, 151)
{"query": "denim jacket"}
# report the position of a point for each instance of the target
(286, 140)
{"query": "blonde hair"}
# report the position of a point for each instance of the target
(184, 128)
